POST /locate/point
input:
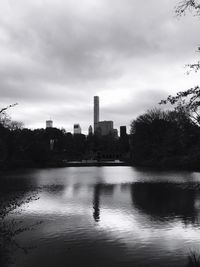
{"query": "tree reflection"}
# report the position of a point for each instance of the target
(13, 194)
(165, 201)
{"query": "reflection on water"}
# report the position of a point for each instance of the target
(98, 190)
(96, 213)
(166, 201)
(109, 216)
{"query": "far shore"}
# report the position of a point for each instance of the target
(60, 163)
(27, 164)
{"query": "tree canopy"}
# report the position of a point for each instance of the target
(165, 138)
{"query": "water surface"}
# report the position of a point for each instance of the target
(108, 216)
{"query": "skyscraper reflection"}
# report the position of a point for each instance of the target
(100, 189)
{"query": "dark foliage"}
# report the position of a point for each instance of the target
(165, 139)
(41, 147)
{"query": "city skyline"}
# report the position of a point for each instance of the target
(102, 127)
(56, 55)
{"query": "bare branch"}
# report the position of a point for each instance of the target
(188, 100)
(188, 5)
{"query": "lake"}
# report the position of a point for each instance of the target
(106, 216)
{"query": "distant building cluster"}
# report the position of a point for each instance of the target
(99, 127)
(103, 127)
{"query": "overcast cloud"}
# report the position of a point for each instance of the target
(55, 55)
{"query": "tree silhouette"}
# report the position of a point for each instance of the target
(194, 7)
(165, 138)
(188, 100)
(10, 106)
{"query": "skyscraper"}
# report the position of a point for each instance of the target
(96, 112)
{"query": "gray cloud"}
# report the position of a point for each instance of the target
(55, 55)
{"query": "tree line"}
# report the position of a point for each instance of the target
(162, 138)
(171, 138)
(21, 147)
(165, 139)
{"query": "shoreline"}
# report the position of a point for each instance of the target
(16, 165)
(59, 164)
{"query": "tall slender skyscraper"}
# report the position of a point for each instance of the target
(96, 112)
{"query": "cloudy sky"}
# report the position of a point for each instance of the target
(55, 55)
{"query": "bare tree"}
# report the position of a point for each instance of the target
(188, 5)
(188, 100)
(192, 6)
(6, 121)
(10, 106)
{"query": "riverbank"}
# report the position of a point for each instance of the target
(166, 164)
(171, 163)
(86, 163)
(59, 163)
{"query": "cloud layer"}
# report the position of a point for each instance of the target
(56, 55)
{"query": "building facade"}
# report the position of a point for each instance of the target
(49, 124)
(105, 127)
(77, 129)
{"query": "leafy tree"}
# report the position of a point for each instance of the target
(159, 136)
(147, 133)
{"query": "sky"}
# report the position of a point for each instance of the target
(55, 55)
